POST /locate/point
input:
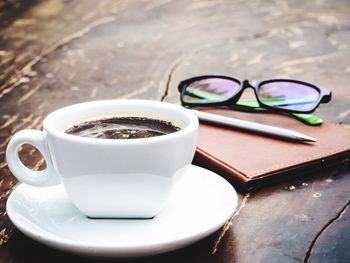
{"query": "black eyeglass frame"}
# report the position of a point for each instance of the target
(325, 94)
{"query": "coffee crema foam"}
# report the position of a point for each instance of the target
(122, 128)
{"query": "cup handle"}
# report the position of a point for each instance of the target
(46, 177)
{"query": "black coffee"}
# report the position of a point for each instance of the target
(122, 128)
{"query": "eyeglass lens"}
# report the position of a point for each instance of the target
(210, 90)
(288, 95)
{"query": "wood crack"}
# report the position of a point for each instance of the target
(324, 228)
(170, 76)
(229, 223)
(181, 59)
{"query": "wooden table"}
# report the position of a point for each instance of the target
(55, 53)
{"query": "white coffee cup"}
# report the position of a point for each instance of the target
(110, 178)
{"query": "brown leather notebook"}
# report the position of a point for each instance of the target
(254, 160)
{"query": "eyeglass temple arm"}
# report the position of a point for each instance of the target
(253, 106)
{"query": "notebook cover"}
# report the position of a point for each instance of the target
(254, 160)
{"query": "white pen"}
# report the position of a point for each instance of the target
(254, 127)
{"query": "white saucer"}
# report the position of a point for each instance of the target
(202, 203)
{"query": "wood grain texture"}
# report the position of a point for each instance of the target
(55, 53)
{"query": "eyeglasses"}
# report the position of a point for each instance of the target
(284, 95)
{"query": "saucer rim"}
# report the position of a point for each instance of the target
(112, 251)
